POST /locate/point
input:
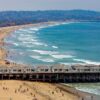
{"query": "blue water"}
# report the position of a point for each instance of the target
(53, 44)
(64, 43)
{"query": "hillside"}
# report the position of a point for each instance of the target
(9, 18)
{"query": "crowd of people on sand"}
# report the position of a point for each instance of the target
(20, 89)
(33, 91)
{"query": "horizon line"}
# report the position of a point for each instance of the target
(52, 10)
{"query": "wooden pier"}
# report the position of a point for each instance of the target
(55, 73)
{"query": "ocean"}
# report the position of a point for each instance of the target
(67, 43)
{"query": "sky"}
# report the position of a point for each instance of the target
(49, 5)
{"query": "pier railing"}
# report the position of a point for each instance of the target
(56, 73)
(52, 69)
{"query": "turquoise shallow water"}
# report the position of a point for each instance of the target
(53, 44)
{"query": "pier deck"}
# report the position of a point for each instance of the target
(55, 73)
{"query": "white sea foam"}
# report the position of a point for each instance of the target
(28, 39)
(60, 56)
(47, 60)
(53, 54)
(22, 39)
(34, 29)
(54, 47)
(25, 39)
(64, 63)
(58, 23)
(45, 52)
(33, 40)
(36, 57)
(89, 90)
(25, 35)
(87, 61)
(22, 30)
(67, 22)
(42, 59)
(37, 43)
(16, 44)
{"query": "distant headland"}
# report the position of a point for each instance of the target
(12, 18)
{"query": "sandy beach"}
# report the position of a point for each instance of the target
(25, 90)
(22, 90)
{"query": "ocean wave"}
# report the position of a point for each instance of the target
(34, 29)
(89, 90)
(25, 35)
(87, 61)
(65, 63)
(42, 59)
(53, 54)
(22, 30)
(60, 56)
(45, 52)
(38, 43)
(58, 23)
(36, 57)
(23, 39)
(32, 40)
(54, 47)
(68, 22)
(46, 26)
(47, 60)
(28, 39)
(33, 43)
(16, 44)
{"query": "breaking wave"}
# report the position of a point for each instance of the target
(60, 56)
(55, 47)
(45, 52)
(87, 61)
(42, 59)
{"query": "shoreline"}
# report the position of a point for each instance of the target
(7, 85)
(4, 32)
(10, 29)
(80, 94)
